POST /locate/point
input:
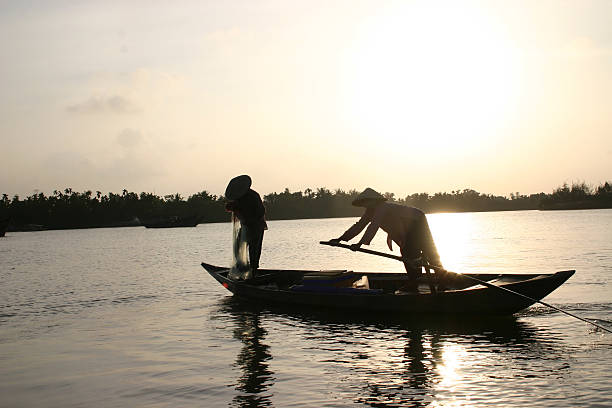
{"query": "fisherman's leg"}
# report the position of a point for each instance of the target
(428, 246)
(411, 252)
(430, 255)
(255, 244)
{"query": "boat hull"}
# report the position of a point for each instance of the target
(4, 226)
(462, 297)
(172, 222)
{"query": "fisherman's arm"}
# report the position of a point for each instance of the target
(370, 232)
(355, 229)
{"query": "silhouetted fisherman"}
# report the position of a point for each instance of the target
(406, 226)
(246, 205)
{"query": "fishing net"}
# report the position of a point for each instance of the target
(241, 266)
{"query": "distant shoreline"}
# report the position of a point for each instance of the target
(70, 209)
(34, 228)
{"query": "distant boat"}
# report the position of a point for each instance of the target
(29, 227)
(371, 291)
(4, 226)
(172, 222)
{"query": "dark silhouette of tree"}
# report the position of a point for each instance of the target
(577, 196)
(604, 191)
(71, 209)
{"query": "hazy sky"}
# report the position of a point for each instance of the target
(402, 96)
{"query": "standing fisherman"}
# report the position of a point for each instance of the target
(406, 226)
(246, 205)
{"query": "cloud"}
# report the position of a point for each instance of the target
(129, 138)
(82, 171)
(582, 47)
(95, 105)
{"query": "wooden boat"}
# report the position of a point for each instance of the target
(172, 222)
(375, 291)
(4, 226)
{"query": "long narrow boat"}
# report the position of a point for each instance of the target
(172, 222)
(4, 226)
(375, 291)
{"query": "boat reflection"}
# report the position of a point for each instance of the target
(386, 360)
(252, 360)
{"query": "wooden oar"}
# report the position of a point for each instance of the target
(482, 282)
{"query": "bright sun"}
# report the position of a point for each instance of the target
(431, 78)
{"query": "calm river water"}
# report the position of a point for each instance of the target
(126, 317)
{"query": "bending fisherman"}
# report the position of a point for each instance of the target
(406, 226)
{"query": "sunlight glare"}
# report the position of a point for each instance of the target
(452, 355)
(452, 234)
(445, 75)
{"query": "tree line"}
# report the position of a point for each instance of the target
(73, 209)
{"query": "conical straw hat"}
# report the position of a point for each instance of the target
(237, 187)
(367, 197)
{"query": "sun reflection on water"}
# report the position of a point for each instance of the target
(453, 356)
(452, 234)
(449, 371)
